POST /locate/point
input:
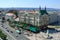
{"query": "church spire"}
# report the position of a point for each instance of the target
(45, 8)
(40, 8)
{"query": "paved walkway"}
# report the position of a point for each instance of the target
(40, 36)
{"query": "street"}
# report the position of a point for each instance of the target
(14, 35)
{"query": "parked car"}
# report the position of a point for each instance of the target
(11, 31)
(20, 33)
(16, 36)
(7, 30)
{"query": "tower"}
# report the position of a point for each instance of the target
(45, 8)
(40, 8)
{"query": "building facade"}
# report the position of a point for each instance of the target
(38, 19)
(53, 17)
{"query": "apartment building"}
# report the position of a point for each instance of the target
(53, 17)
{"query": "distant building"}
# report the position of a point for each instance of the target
(10, 16)
(58, 17)
(53, 17)
(2, 14)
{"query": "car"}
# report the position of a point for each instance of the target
(2, 26)
(16, 36)
(11, 31)
(20, 33)
(2, 21)
(7, 30)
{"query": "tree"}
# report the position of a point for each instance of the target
(15, 12)
(9, 20)
(3, 36)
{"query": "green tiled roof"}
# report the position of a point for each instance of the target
(28, 27)
(43, 12)
(32, 29)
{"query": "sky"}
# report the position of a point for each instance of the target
(30, 3)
